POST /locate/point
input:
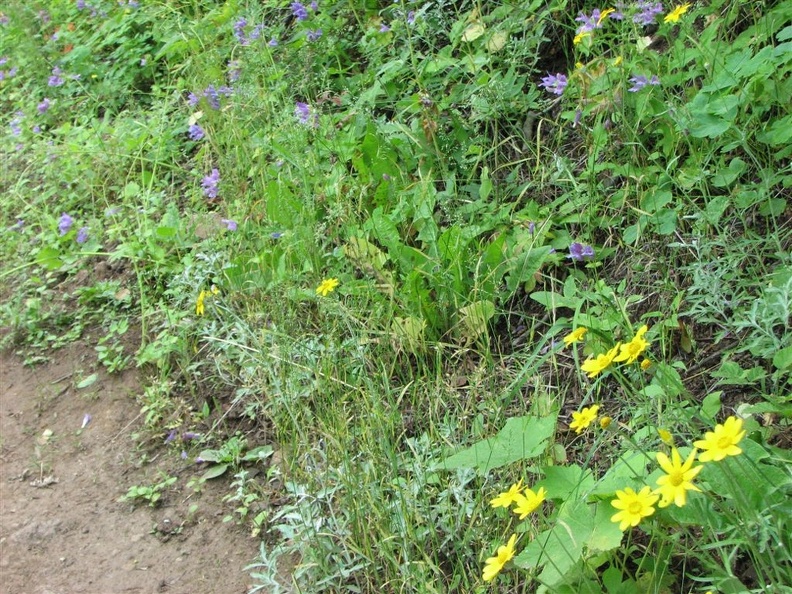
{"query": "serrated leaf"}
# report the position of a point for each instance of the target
(522, 438)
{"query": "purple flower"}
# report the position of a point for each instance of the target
(276, 235)
(14, 124)
(65, 223)
(82, 235)
(195, 132)
(648, 12)
(256, 32)
(4, 19)
(86, 419)
(239, 31)
(3, 60)
(299, 11)
(314, 6)
(579, 252)
(210, 183)
(143, 61)
(80, 4)
(313, 35)
(531, 227)
(43, 106)
(55, 80)
(411, 17)
(384, 28)
(171, 436)
(44, 16)
(230, 224)
(555, 83)
(17, 226)
(640, 81)
(273, 42)
(36, 129)
(234, 71)
(226, 91)
(212, 97)
(188, 435)
(302, 112)
(193, 99)
(133, 4)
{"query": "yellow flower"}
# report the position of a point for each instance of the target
(632, 350)
(600, 363)
(581, 420)
(328, 285)
(617, 61)
(604, 14)
(646, 364)
(634, 506)
(575, 336)
(528, 502)
(673, 16)
(199, 303)
(506, 498)
(666, 437)
(678, 480)
(722, 442)
(605, 422)
(580, 37)
(493, 565)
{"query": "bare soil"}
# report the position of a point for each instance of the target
(62, 527)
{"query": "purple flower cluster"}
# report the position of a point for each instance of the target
(648, 12)
(579, 252)
(43, 106)
(230, 224)
(212, 96)
(640, 81)
(299, 11)
(14, 124)
(313, 35)
(555, 83)
(10, 73)
(210, 183)
(302, 111)
(55, 80)
(239, 31)
(82, 235)
(65, 223)
(195, 132)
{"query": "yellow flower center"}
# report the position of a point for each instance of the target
(724, 442)
(676, 478)
(635, 508)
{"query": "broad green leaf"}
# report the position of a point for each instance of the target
(473, 32)
(605, 535)
(49, 258)
(563, 481)
(711, 405)
(214, 472)
(475, 317)
(525, 265)
(522, 438)
(88, 381)
(553, 300)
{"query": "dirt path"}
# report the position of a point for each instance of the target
(73, 535)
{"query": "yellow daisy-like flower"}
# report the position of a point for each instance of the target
(666, 437)
(605, 422)
(678, 480)
(327, 286)
(506, 498)
(494, 565)
(581, 420)
(674, 15)
(600, 363)
(629, 352)
(722, 441)
(646, 364)
(528, 502)
(199, 303)
(575, 336)
(634, 506)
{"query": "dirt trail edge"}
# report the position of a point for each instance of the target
(62, 528)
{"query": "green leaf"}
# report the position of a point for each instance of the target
(606, 535)
(525, 265)
(563, 481)
(628, 471)
(475, 317)
(214, 472)
(553, 300)
(49, 258)
(711, 405)
(522, 438)
(88, 381)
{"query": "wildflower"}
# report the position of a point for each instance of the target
(384, 28)
(648, 12)
(578, 251)
(327, 286)
(256, 32)
(640, 81)
(239, 31)
(55, 80)
(43, 106)
(666, 437)
(605, 422)
(188, 435)
(302, 111)
(554, 83)
(411, 17)
(593, 367)
(80, 4)
(674, 15)
(17, 226)
(722, 441)
(581, 420)
(230, 224)
(299, 11)
(65, 223)
(86, 419)
(195, 132)
(212, 96)
(82, 235)
(314, 6)
(171, 436)
(193, 99)
(678, 480)
(646, 364)
(276, 235)
(579, 37)
(313, 35)
(506, 498)
(199, 303)
(528, 501)
(634, 506)
(575, 336)
(494, 565)
(630, 351)
(272, 42)
(14, 124)
(234, 70)
(210, 183)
